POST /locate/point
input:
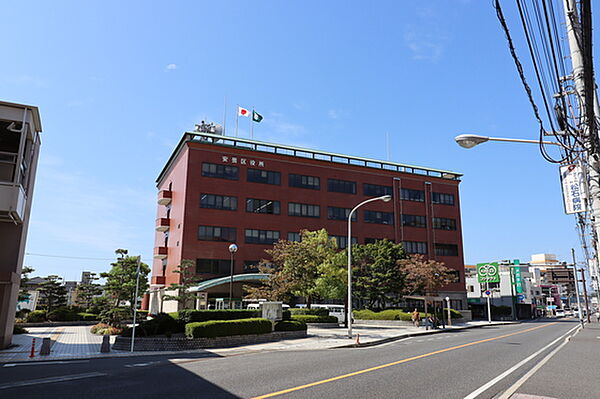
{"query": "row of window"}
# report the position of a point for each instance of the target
(314, 183)
(273, 207)
(269, 237)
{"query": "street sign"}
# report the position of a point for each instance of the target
(520, 298)
(518, 280)
(488, 292)
(571, 177)
(488, 273)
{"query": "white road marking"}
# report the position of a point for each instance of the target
(45, 363)
(491, 383)
(51, 380)
(508, 393)
(140, 364)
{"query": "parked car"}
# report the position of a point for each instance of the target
(560, 313)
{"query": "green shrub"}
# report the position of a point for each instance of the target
(308, 318)
(290, 325)
(17, 329)
(162, 323)
(64, 313)
(223, 328)
(142, 314)
(192, 316)
(388, 314)
(37, 316)
(88, 316)
(105, 329)
(313, 311)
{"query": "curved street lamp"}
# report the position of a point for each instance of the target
(384, 198)
(471, 140)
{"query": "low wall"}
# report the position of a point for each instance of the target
(58, 323)
(182, 344)
(396, 322)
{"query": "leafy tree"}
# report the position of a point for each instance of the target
(52, 293)
(332, 282)
(85, 292)
(376, 275)
(23, 291)
(424, 276)
(121, 280)
(276, 288)
(187, 279)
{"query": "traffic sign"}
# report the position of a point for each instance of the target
(488, 272)
(488, 292)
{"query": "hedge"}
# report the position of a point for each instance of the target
(160, 324)
(290, 325)
(191, 316)
(313, 311)
(88, 316)
(389, 314)
(20, 330)
(307, 318)
(37, 316)
(223, 328)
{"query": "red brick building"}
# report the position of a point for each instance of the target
(217, 190)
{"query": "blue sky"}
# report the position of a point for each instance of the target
(117, 83)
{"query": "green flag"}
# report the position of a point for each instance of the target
(256, 117)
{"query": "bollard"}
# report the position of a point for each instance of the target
(105, 347)
(46, 342)
(357, 339)
(32, 354)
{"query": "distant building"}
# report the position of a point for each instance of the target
(217, 190)
(20, 128)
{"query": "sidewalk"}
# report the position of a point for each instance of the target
(77, 342)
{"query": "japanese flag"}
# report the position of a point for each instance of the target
(243, 112)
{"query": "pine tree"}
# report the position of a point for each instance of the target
(187, 279)
(52, 293)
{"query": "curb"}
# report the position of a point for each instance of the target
(415, 334)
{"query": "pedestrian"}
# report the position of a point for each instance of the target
(428, 322)
(416, 318)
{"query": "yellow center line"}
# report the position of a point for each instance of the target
(340, 377)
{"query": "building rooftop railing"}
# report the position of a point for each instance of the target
(260, 146)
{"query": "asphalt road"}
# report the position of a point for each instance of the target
(448, 365)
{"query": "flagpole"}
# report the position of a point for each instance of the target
(225, 116)
(252, 124)
(237, 119)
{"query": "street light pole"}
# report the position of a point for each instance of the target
(232, 250)
(449, 314)
(471, 140)
(384, 198)
(135, 300)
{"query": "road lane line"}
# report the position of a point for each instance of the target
(359, 372)
(508, 393)
(51, 380)
(494, 381)
(42, 363)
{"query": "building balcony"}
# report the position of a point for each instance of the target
(160, 252)
(162, 224)
(165, 197)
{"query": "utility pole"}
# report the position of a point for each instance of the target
(577, 286)
(583, 79)
(585, 296)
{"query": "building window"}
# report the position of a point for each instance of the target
(254, 236)
(264, 176)
(376, 190)
(294, 237)
(441, 198)
(218, 202)
(444, 224)
(372, 240)
(379, 217)
(213, 266)
(214, 233)
(251, 266)
(334, 213)
(408, 194)
(263, 206)
(342, 241)
(303, 181)
(341, 186)
(415, 247)
(305, 210)
(470, 288)
(414, 221)
(220, 171)
(454, 276)
(446, 250)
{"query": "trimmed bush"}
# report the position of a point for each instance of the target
(192, 316)
(389, 314)
(142, 314)
(308, 318)
(160, 324)
(223, 328)
(313, 312)
(290, 325)
(88, 316)
(37, 316)
(104, 329)
(64, 313)
(17, 329)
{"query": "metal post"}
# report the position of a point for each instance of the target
(577, 286)
(232, 250)
(585, 295)
(489, 307)
(513, 291)
(135, 300)
(449, 314)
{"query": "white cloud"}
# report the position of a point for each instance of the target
(427, 46)
(171, 66)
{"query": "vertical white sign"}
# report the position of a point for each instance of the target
(573, 190)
